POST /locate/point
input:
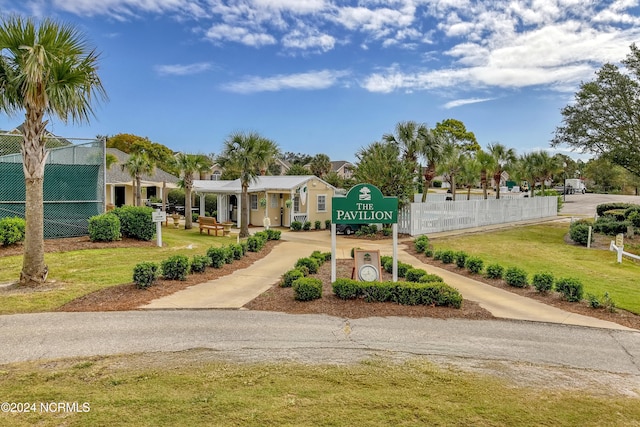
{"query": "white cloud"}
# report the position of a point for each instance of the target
(224, 32)
(309, 40)
(182, 70)
(313, 80)
(461, 102)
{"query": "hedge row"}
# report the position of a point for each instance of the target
(126, 221)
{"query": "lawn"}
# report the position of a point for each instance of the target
(128, 390)
(541, 248)
(80, 272)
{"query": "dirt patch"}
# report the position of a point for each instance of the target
(75, 244)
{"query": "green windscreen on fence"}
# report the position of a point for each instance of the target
(73, 187)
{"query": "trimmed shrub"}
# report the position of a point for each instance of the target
(387, 231)
(430, 278)
(543, 282)
(617, 214)
(428, 253)
(307, 289)
(579, 232)
(217, 256)
(460, 258)
(384, 259)
(306, 226)
(402, 268)
(474, 264)
(175, 267)
(346, 288)
(304, 269)
(353, 252)
(245, 247)
(237, 250)
(199, 263)
(11, 230)
(296, 226)
(310, 263)
(291, 276)
(414, 274)
(602, 208)
(610, 226)
(135, 222)
(516, 277)
(634, 219)
(437, 255)
(255, 243)
(228, 254)
(317, 225)
(327, 224)
(447, 257)
(321, 257)
(495, 271)
(570, 288)
(273, 234)
(145, 274)
(378, 291)
(104, 228)
(421, 243)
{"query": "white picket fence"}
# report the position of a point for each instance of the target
(436, 216)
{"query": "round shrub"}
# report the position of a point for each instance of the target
(447, 256)
(517, 277)
(346, 288)
(306, 226)
(255, 243)
(421, 243)
(430, 278)
(307, 289)
(237, 250)
(11, 230)
(296, 226)
(402, 268)
(474, 264)
(217, 256)
(145, 274)
(570, 288)
(579, 232)
(317, 225)
(495, 271)
(634, 219)
(437, 255)
(428, 253)
(543, 282)
(310, 263)
(602, 208)
(610, 226)
(136, 222)
(291, 276)
(460, 258)
(414, 274)
(199, 263)
(104, 228)
(273, 234)
(175, 267)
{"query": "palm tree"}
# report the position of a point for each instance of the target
(486, 164)
(320, 165)
(548, 166)
(503, 158)
(249, 153)
(469, 172)
(431, 149)
(189, 165)
(528, 169)
(137, 165)
(450, 165)
(44, 69)
(408, 139)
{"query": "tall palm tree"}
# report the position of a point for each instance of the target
(469, 172)
(450, 165)
(320, 165)
(137, 165)
(408, 139)
(249, 153)
(528, 168)
(189, 165)
(503, 158)
(548, 166)
(431, 149)
(45, 69)
(487, 164)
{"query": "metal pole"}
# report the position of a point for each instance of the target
(333, 252)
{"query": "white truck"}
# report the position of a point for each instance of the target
(574, 185)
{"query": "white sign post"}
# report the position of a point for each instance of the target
(158, 217)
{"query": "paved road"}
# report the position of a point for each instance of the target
(315, 338)
(585, 204)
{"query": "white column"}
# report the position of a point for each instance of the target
(202, 207)
(333, 252)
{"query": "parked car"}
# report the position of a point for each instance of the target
(348, 229)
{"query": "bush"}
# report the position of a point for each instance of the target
(237, 250)
(217, 256)
(495, 271)
(579, 232)
(306, 226)
(104, 228)
(402, 268)
(145, 274)
(296, 226)
(543, 282)
(617, 214)
(307, 289)
(135, 222)
(384, 259)
(602, 208)
(255, 243)
(327, 224)
(317, 225)
(421, 243)
(175, 267)
(346, 288)
(437, 255)
(11, 230)
(610, 226)
(605, 302)
(430, 278)
(199, 263)
(291, 276)
(460, 258)
(517, 277)
(447, 256)
(570, 288)
(321, 257)
(378, 291)
(474, 264)
(273, 234)
(414, 274)
(194, 217)
(387, 231)
(310, 263)
(428, 253)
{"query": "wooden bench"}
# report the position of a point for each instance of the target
(209, 223)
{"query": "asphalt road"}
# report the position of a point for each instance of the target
(266, 336)
(585, 204)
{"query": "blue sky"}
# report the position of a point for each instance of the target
(331, 76)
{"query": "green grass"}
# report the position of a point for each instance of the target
(78, 273)
(541, 248)
(373, 393)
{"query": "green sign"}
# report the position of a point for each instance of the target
(364, 204)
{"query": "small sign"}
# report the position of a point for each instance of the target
(158, 216)
(620, 240)
(366, 266)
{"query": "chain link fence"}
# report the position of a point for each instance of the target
(74, 183)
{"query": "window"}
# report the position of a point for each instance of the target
(215, 176)
(274, 201)
(322, 202)
(296, 203)
(254, 202)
